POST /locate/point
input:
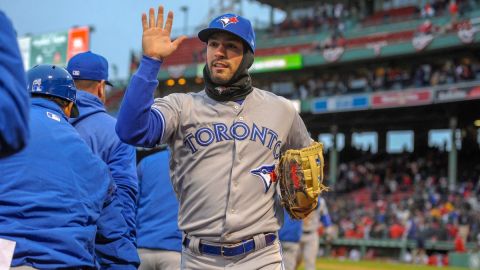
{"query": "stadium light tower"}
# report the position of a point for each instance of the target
(184, 9)
(217, 7)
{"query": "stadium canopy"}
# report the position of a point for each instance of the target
(285, 4)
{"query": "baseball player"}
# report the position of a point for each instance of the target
(14, 100)
(55, 193)
(309, 241)
(97, 128)
(225, 142)
(159, 239)
(290, 235)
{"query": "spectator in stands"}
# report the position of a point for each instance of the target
(97, 128)
(159, 239)
(464, 222)
(460, 245)
(464, 70)
(453, 10)
(14, 98)
(396, 230)
(427, 10)
(56, 194)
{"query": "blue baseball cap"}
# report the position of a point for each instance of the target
(231, 23)
(88, 66)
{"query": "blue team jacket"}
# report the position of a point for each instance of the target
(97, 128)
(55, 195)
(291, 231)
(157, 211)
(14, 99)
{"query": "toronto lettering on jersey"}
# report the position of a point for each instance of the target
(240, 131)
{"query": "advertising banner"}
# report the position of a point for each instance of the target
(49, 49)
(401, 98)
(24, 46)
(78, 41)
(457, 94)
(340, 103)
(277, 63)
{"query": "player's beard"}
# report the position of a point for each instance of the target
(239, 86)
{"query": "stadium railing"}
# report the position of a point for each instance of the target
(400, 245)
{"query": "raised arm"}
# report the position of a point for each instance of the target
(137, 123)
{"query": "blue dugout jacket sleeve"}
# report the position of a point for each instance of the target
(112, 243)
(123, 169)
(137, 123)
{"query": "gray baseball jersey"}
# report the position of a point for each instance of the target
(223, 157)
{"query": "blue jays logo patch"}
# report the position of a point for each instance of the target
(37, 85)
(228, 20)
(267, 174)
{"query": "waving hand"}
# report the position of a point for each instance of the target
(156, 42)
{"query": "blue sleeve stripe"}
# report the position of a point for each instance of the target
(163, 122)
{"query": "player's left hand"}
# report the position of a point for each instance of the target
(156, 42)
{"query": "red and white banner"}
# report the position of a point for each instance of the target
(377, 46)
(467, 35)
(420, 42)
(333, 54)
(401, 98)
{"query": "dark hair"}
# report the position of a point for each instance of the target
(59, 101)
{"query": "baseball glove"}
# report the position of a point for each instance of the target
(301, 179)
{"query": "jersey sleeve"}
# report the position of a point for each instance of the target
(298, 136)
(169, 108)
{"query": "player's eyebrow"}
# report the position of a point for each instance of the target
(228, 38)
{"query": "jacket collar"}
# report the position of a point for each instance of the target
(48, 104)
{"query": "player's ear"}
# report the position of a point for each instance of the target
(101, 93)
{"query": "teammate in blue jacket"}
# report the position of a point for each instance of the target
(289, 236)
(97, 128)
(55, 193)
(159, 239)
(14, 101)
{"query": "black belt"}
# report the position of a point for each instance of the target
(244, 247)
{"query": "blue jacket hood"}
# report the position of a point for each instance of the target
(14, 98)
(87, 104)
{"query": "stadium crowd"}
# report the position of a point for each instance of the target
(322, 17)
(340, 16)
(383, 77)
(406, 196)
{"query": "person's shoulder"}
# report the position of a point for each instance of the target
(270, 97)
(97, 122)
(107, 118)
(186, 98)
(5, 22)
(188, 95)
